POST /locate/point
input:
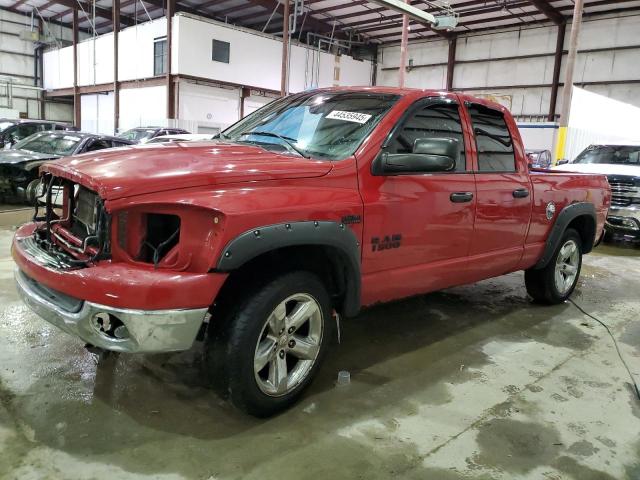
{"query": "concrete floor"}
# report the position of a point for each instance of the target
(472, 383)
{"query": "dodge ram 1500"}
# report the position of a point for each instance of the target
(310, 208)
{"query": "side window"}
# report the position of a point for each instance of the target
(441, 120)
(495, 146)
(160, 56)
(97, 145)
(24, 130)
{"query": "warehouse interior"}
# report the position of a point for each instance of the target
(149, 110)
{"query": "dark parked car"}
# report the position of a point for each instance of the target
(144, 134)
(12, 130)
(539, 158)
(19, 165)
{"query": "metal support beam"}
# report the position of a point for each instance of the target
(171, 99)
(557, 65)
(451, 62)
(116, 86)
(244, 93)
(88, 7)
(568, 78)
(401, 6)
(77, 119)
(404, 50)
(548, 10)
(285, 50)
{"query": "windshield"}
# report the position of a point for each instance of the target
(59, 144)
(627, 155)
(321, 124)
(138, 134)
(5, 125)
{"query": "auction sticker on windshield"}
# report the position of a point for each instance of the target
(349, 116)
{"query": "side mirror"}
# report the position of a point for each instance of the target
(564, 161)
(429, 155)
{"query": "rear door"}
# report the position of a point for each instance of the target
(503, 190)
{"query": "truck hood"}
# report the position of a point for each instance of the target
(12, 157)
(142, 169)
(600, 168)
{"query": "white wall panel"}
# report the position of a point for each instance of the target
(143, 106)
(58, 68)
(206, 104)
(254, 102)
(95, 60)
(255, 59)
(135, 49)
(135, 57)
(97, 113)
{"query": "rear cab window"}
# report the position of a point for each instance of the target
(493, 139)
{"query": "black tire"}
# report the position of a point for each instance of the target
(233, 338)
(541, 284)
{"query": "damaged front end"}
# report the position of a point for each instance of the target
(72, 225)
(122, 280)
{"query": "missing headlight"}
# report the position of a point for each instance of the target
(162, 233)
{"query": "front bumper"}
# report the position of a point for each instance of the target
(624, 220)
(146, 331)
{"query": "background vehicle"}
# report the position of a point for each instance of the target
(185, 137)
(325, 201)
(144, 134)
(621, 165)
(539, 158)
(12, 131)
(19, 165)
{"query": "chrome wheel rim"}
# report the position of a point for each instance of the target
(567, 266)
(288, 345)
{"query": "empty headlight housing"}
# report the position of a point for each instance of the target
(177, 238)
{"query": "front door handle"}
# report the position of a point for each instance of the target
(521, 193)
(461, 197)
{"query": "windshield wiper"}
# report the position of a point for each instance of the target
(289, 142)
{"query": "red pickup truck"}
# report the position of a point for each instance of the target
(309, 209)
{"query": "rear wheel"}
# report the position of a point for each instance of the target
(556, 281)
(265, 352)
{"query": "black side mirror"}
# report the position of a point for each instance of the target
(564, 161)
(429, 155)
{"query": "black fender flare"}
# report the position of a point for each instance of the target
(564, 218)
(261, 240)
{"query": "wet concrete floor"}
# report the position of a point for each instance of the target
(475, 382)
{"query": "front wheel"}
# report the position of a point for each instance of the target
(267, 350)
(556, 281)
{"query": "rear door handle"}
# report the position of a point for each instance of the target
(521, 193)
(461, 197)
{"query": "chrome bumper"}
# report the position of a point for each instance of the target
(146, 331)
(624, 219)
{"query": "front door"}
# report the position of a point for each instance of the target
(418, 227)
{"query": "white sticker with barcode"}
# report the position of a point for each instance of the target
(355, 117)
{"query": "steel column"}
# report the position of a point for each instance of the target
(116, 85)
(244, 93)
(568, 79)
(285, 50)
(451, 62)
(557, 64)
(404, 50)
(77, 118)
(171, 98)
